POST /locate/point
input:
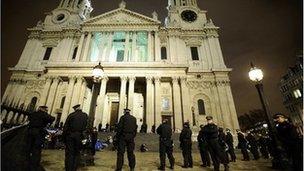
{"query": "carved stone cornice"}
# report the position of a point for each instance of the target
(35, 84)
(200, 84)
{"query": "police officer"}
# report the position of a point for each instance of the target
(126, 132)
(243, 145)
(37, 122)
(203, 147)
(229, 142)
(165, 144)
(186, 145)
(253, 146)
(222, 141)
(73, 129)
(216, 152)
(291, 140)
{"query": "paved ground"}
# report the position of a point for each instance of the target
(53, 160)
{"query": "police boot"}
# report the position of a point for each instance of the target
(226, 167)
(161, 168)
(172, 167)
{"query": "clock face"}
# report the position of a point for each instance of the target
(189, 15)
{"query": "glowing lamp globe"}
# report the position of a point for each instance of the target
(97, 72)
(255, 74)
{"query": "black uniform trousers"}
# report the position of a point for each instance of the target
(231, 152)
(204, 155)
(255, 152)
(166, 147)
(245, 153)
(72, 151)
(187, 153)
(217, 154)
(35, 141)
(122, 144)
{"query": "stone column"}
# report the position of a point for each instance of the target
(18, 93)
(76, 92)
(51, 98)
(149, 103)
(109, 46)
(233, 114)
(86, 48)
(126, 54)
(79, 49)
(6, 93)
(134, 36)
(177, 104)
(131, 93)
(187, 115)
(122, 98)
(68, 98)
(157, 101)
(13, 92)
(157, 47)
(82, 92)
(99, 115)
(45, 92)
(150, 47)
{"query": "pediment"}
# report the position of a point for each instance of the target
(121, 16)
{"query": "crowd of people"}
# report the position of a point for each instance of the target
(215, 144)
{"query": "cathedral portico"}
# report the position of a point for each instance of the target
(175, 72)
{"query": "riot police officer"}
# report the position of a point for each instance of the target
(253, 146)
(243, 145)
(186, 145)
(126, 132)
(216, 152)
(291, 140)
(165, 144)
(73, 129)
(229, 141)
(36, 133)
(203, 147)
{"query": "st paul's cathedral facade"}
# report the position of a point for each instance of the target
(173, 70)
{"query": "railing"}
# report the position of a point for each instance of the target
(11, 117)
(14, 149)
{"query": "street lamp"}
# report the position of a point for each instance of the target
(256, 75)
(97, 76)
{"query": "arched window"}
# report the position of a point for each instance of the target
(163, 51)
(201, 107)
(62, 102)
(32, 105)
(74, 53)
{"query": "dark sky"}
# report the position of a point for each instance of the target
(266, 32)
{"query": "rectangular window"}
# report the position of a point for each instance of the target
(120, 55)
(74, 53)
(47, 53)
(194, 53)
(163, 52)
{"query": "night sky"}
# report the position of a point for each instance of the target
(266, 32)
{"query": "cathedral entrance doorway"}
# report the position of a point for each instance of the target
(114, 113)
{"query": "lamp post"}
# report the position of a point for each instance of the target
(193, 116)
(256, 75)
(97, 76)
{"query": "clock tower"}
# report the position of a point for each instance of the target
(69, 13)
(185, 14)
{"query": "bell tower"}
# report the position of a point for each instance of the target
(185, 14)
(69, 13)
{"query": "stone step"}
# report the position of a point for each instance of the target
(150, 139)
